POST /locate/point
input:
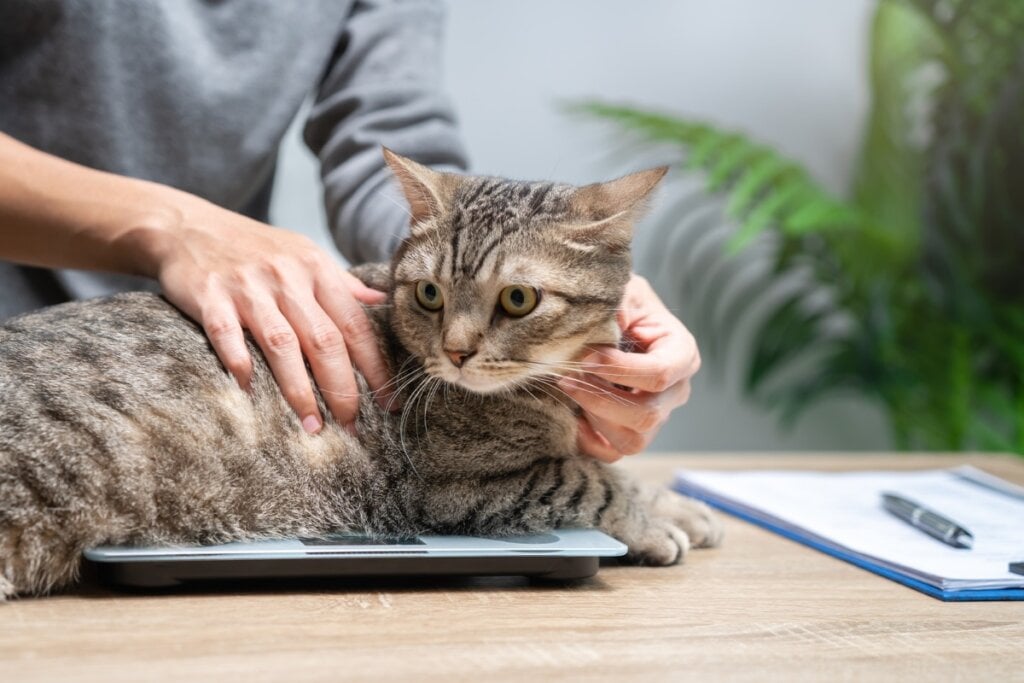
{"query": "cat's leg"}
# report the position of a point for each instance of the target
(44, 522)
(659, 526)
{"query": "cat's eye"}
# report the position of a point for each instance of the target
(518, 300)
(429, 295)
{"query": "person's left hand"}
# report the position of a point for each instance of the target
(627, 396)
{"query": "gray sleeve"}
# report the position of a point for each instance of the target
(383, 87)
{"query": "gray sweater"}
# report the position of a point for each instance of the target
(197, 94)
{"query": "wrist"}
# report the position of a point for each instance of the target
(152, 232)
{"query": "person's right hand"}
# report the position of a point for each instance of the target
(231, 273)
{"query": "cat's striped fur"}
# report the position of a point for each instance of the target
(119, 425)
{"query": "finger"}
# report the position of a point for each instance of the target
(323, 345)
(361, 292)
(685, 389)
(223, 329)
(595, 445)
(360, 338)
(625, 440)
(641, 411)
(654, 370)
(280, 345)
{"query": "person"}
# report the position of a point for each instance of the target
(140, 139)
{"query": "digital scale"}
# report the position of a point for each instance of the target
(565, 554)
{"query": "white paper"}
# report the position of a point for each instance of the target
(844, 510)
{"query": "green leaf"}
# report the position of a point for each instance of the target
(707, 146)
(816, 214)
(764, 172)
(766, 188)
(764, 214)
(732, 158)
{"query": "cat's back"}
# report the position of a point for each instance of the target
(106, 351)
(102, 378)
(97, 330)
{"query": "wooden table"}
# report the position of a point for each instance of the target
(759, 608)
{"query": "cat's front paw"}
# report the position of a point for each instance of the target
(659, 543)
(662, 529)
(693, 516)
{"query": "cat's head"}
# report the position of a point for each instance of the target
(501, 281)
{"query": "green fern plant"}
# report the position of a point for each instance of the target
(910, 292)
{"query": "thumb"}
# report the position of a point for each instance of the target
(362, 293)
(368, 296)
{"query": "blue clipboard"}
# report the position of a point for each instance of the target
(928, 589)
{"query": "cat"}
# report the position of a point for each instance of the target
(119, 425)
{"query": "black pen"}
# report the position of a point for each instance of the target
(928, 521)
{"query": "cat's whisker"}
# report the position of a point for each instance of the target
(407, 379)
(339, 394)
(401, 372)
(435, 383)
(596, 390)
(410, 407)
(577, 366)
(396, 387)
(403, 207)
(540, 386)
(524, 386)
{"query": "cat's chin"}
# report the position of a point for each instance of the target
(479, 385)
(475, 383)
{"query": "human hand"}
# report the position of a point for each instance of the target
(231, 273)
(627, 396)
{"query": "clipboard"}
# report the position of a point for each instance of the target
(728, 492)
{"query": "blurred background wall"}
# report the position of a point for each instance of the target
(789, 72)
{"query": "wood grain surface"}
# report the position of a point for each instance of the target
(758, 608)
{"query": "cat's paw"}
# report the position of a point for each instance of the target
(693, 516)
(658, 544)
(7, 590)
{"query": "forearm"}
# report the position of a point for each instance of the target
(227, 272)
(58, 214)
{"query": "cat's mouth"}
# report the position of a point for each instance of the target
(478, 380)
(475, 381)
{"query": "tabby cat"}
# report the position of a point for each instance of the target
(118, 424)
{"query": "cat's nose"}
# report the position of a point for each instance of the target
(458, 358)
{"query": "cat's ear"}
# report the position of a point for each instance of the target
(606, 211)
(427, 191)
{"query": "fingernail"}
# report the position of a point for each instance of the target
(566, 386)
(311, 424)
